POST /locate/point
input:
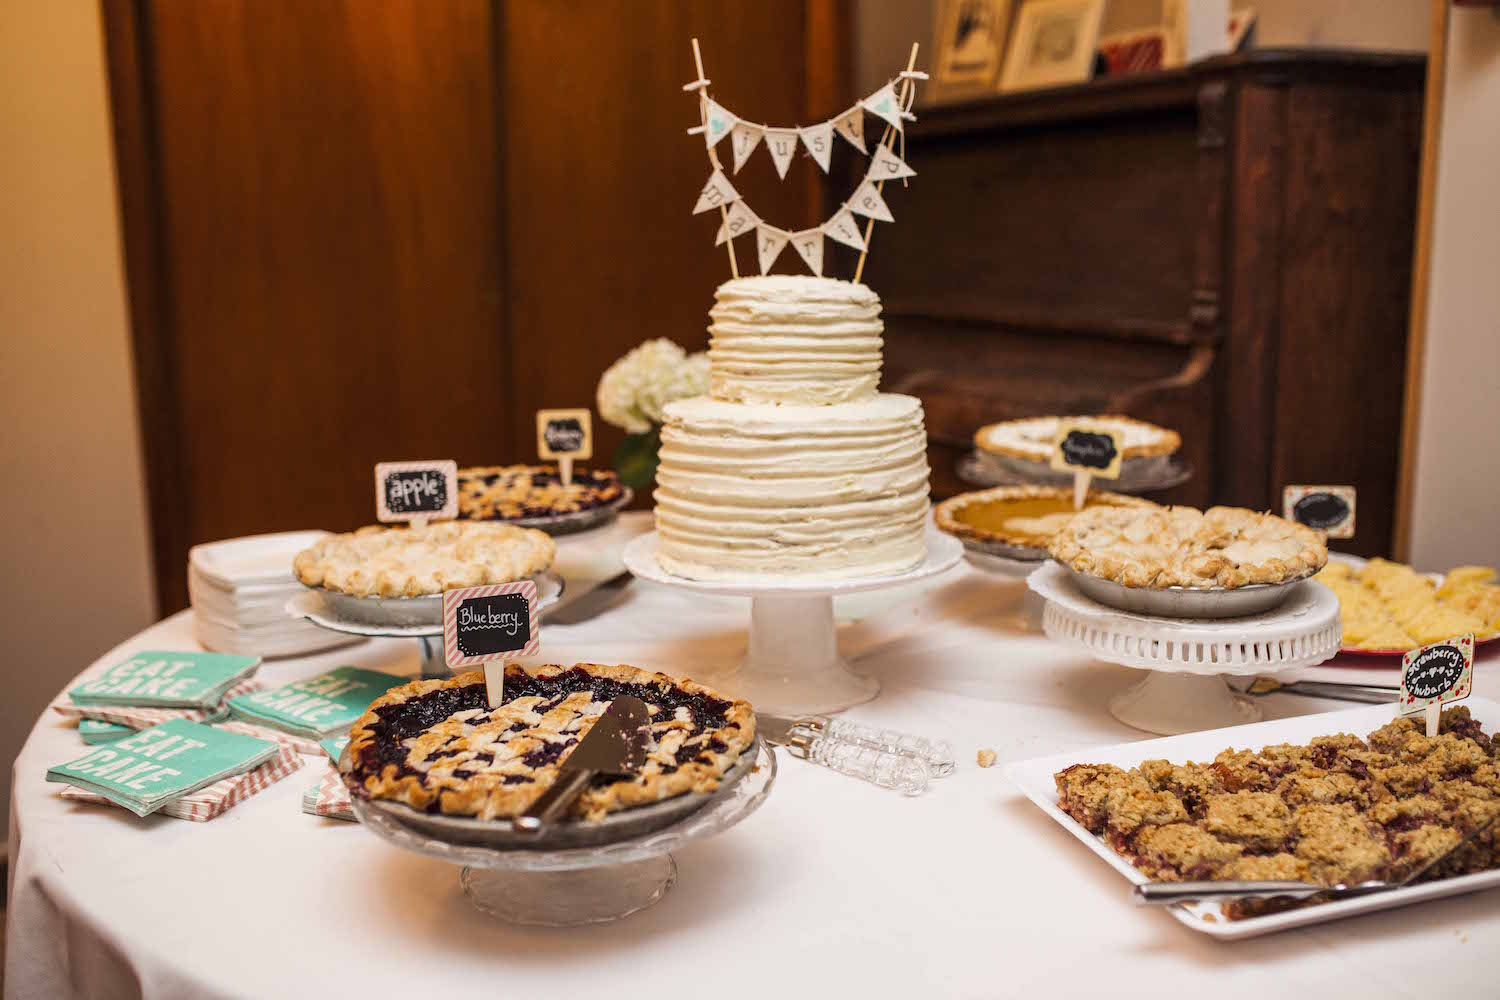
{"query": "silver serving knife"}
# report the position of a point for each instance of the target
(1369, 694)
(1166, 893)
(615, 744)
(592, 603)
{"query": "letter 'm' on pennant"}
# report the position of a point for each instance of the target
(738, 220)
(718, 191)
(867, 202)
(852, 127)
(718, 122)
(809, 243)
(782, 144)
(819, 142)
(769, 242)
(885, 104)
(887, 166)
(844, 228)
(743, 141)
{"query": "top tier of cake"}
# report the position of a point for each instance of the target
(794, 339)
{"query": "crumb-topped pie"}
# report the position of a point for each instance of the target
(1220, 548)
(1388, 607)
(1340, 809)
(1032, 439)
(437, 746)
(513, 492)
(414, 562)
(1021, 517)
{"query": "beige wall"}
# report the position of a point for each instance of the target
(77, 576)
(1456, 501)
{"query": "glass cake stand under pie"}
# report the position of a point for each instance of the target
(562, 887)
(792, 665)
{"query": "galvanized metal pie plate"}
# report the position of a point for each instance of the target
(1187, 602)
(573, 521)
(500, 834)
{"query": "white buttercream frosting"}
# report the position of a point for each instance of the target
(794, 339)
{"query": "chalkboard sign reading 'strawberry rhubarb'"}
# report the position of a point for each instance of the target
(1329, 509)
(490, 625)
(411, 491)
(1083, 446)
(1434, 675)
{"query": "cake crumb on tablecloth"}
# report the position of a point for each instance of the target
(986, 757)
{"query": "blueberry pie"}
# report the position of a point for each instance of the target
(437, 746)
(512, 492)
(413, 562)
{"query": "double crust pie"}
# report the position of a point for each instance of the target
(512, 492)
(1027, 517)
(1340, 809)
(414, 562)
(1221, 548)
(437, 746)
(1389, 607)
(1032, 439)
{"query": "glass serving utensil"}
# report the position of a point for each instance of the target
(883, 757)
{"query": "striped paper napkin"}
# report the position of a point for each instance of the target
(143, 717)
(219, 797)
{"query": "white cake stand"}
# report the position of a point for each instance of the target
(1185, 691)
(792, 666)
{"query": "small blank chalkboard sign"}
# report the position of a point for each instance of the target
(1083, 446)
(564, 434)
(1329, 509)
(406, 491)
(495, 622)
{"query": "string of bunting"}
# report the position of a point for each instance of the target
(737, 218)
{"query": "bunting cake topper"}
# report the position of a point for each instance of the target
(716, 123)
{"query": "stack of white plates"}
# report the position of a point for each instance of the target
(239, 589)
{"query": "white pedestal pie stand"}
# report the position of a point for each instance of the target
(792, 666)
(1185, 691)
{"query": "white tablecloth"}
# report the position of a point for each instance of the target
(833, 888)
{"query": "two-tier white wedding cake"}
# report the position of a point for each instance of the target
(794, 465)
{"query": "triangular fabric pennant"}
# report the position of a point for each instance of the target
(782, 143)
(885, 104)
(867, 202)
(844, 228)
(852, 128)
(887, 166)
(718, 191)
(738, 220)
(819, 142)
(718, 122)
(743, 142)
(769, 242)
(809, 243)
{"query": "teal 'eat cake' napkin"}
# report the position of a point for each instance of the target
(319, 706)
(95, 732)
(145, 771)
(167, 680)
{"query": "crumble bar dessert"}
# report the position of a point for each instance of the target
(512, 492)
(1340, 809)
(437, 746)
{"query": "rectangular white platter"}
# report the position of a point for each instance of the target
(1034, 778)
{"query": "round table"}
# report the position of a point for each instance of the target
(834, 887)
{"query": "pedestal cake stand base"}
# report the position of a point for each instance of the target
(569, 898)
(1185, 691)
(792, 665)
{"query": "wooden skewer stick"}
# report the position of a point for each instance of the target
(886, 140)
(713, 157)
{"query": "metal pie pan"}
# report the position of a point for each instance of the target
(626, 824)
(571, 522)
(1020, 553)
(408, 612)
(1186, 602)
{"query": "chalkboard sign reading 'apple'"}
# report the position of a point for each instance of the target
(1329, 509)
(408, 491)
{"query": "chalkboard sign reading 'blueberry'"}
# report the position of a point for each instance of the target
(564, 434)
(1081, 446)
(405, 491)
(1329, 509)
(490, 623)
(1441, 672)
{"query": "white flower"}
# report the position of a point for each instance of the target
(634, 390)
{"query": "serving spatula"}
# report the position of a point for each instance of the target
(615, 744)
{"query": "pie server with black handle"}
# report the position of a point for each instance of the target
(615, 744)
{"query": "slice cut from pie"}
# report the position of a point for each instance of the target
(437, 746)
